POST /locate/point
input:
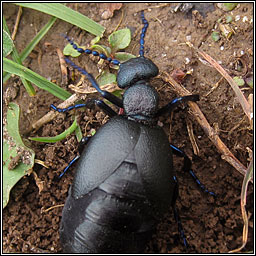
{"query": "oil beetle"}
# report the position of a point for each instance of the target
(124, 181)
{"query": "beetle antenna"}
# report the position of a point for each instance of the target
(88, 51)
(143, 32)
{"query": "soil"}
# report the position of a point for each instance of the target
(211, 225)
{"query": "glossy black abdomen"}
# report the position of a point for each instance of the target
(115, 217)
(118, 213)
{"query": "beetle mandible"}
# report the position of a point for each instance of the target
(124, 181)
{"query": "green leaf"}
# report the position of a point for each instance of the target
(249, 81)
(118, 93)
(62, 12)
(124, 56)
(13, 147)
(239, 80)
(227, 6)
(70, 51)
(79, 134)
(41, 82)
(215, 36)
(120, 39)
(59, 137)
(7, 44)
(106, 78)
(95, 40)
(228, 19)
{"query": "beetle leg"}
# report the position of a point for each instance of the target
(62, 110)
(106, 95)
(169, 107)
(67, 167)
(187, 168)
(83, 142)
(81, 146)
(108, 110)
(176, 212)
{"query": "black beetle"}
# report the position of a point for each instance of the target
(124, 181)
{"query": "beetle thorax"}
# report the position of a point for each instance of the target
(140, 101)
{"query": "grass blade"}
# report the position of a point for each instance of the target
(59, 137)
(64, 13)
(15, 55)
(32, 44)
(41, 82)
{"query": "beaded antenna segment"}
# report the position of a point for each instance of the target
(102, 55)
(143, 32)
(94, 53)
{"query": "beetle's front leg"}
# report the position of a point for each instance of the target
(106, 95)
(101, 104)
(108, 110)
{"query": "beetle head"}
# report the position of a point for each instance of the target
(134, 70)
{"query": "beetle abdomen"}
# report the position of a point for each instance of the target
(123, 185)
(114, 217)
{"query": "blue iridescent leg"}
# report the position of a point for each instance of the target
(170, 106)
(68, 166)
(176, 212)
(187, 168)
(81, 146)
(108, 110)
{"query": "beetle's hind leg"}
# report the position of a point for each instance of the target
(187, 168)
(176, 212)
(175, 102)
(81, 146)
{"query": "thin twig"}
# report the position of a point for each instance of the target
(63, 67)
(214, 87)
(240, 96)
(39, 182)
(246, 218)
(50, 208)
(192, 138)
(210, 132)
(158, 6)
(119, 23)
(52, 114)
(17, 23)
